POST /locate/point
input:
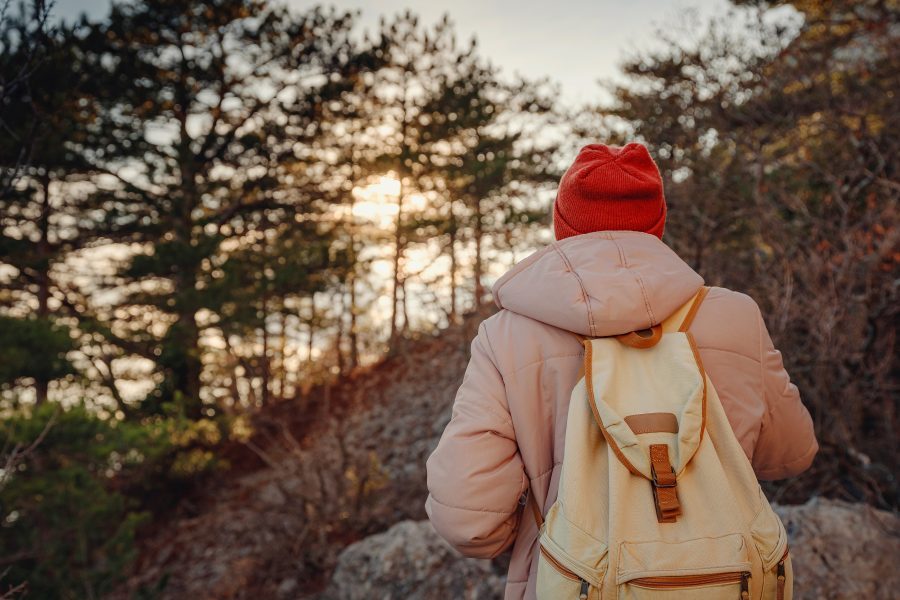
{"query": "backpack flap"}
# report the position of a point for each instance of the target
(645, 398)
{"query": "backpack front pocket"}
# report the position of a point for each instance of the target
(699, 569)
(784, 577)
(771, 541)
(556, 580)
(571, 563)
(714, 586)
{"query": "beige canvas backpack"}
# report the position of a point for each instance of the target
(657, 500)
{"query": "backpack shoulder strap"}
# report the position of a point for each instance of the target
(682, 318)
(695, 306)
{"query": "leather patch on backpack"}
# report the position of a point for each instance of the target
(655, 422)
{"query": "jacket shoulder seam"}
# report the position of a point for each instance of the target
(584, 294)
(637, 278)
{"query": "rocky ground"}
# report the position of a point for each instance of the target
(410, 560)
(327, 502)
(840, 551)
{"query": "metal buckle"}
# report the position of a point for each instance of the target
(656, 482)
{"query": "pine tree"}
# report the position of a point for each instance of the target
(210, 108)
(403, 110)
(502, 154)
(43, 108)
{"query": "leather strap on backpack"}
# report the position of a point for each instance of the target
(646, 338)
(663, 482)
(665, 491)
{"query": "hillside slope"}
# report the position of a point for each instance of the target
(274, 528)
(348, 466)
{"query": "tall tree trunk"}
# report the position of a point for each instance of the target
(236, 362)
(352, 334)
(187, 334)
(398, 253)
(264, 363)
(454, 311)
(405, 305)
(339, 335)
(310, 341)
(182, 346)
(194, 365)
(398, 232)
(479, 235)
(282, 349)
(41, 384)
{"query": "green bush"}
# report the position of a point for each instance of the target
(70, 507)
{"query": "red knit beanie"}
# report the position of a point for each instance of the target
(610, 188)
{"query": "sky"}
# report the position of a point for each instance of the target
(574, 42)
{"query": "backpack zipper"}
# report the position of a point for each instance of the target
(782, 577)
(567, 573)
(682, 581)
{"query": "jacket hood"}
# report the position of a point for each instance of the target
(599, 284)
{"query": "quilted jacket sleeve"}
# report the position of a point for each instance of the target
(787, 442)
(475, 475)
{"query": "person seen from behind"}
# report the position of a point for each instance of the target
(607, 274)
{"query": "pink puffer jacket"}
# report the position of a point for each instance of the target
(509, 417)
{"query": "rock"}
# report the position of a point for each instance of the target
(271, 494)
(410, 560)
(841, 550)
(287, 588)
